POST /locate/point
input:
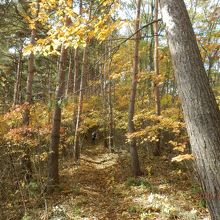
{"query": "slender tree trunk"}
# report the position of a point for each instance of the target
(49, 95)
(80, 107)
(151, 53)
(31, 69)
(26, 159)
(77, 112)
(200, 109)
(131, 128)
(151, 60)
(76, 147)
(53, 158)
(17, 88)
(104, 101)
(70, 79)
(110, 109)
(75, 78)
(157, 151)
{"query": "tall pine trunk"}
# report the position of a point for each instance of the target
(76, 146)
(157, 151)
(103, 78)
(17, 88)
(80, 107)
(31, 69)
(200, 109)
(131, 128)
(110, 103)
(75, 80)
(151, 60)
(53, 158)
(70, 83)
(110, 109)
(26, 158)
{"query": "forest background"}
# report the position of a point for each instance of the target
(68, 69)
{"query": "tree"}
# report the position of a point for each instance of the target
(110, 111)
(75, 78)
(103, 79)
(17, 87)
(28, 98)
(80, 106)
(77, 113)
(31, 70)
(69, 86)
(200, 109)
(131, 128)
(157, 151)
(26, 159)
(53, 159)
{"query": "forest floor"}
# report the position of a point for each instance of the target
(101, 188)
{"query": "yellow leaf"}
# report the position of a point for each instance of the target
(179, 158)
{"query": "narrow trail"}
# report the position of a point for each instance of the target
(92, 189)
(98, 189)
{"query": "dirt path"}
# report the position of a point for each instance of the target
(94, 186)
(100, 189)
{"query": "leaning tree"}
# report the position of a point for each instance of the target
(201, 112)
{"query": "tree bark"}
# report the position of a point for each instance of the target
(151, 61)
(131, 128)
(70, 79)
(110, 104)
(110, 108)
(76, 148)
(75, 78)
(157, 151)
(26, 159)
(17, 87)
(53, 158)
(102, 70)
(200, 109)
(31, 69)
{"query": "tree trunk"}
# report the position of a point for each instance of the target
(157, 151)
(70, 82)
(150, 54)
(151, 61)
(76, 148)
(17, 87)
(31, 69)
(131, 128)
(102, 71)
(53, 158)
(110, 143)
(75, 78)
(200, 109)
(26, 159)
(110, 107)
